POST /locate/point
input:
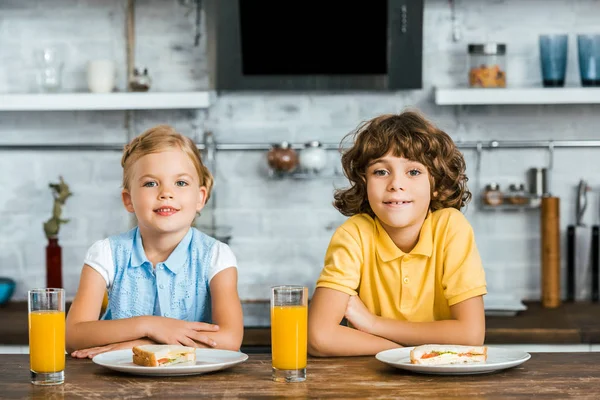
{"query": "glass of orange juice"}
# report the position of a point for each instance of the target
(289, 320)
(47, 336)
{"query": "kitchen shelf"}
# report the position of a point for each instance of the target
(516, 96)
(535, 203)
(105, 101)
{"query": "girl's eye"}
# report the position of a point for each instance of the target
(380, 172)
(414, 172)
(150, 184)
(181, 183)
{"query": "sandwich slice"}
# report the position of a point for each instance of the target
(441, 354)
(162, 355)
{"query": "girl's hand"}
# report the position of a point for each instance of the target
(359, 315)
(175, 331)
(92, 351)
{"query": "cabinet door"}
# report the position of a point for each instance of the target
(405, 24)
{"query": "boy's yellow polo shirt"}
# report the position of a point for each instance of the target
(443, 269)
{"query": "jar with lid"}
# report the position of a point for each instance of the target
(487, 65)
(282, 158)
(492, 196)
(517, 194)
(313, 158)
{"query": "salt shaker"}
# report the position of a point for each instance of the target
(313, 158)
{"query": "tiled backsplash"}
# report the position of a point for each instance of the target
(281, 228)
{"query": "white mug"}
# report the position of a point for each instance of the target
(101, 76)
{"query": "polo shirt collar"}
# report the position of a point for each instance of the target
(175, 261)
(387, 249)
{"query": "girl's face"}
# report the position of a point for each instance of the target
(164, 193)
(399, 192)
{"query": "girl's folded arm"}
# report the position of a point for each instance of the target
(83, 329)
(467, 327)
(326, 337)
(226, 310)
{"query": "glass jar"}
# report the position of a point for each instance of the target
(517, 194)
(487, 65)
(492, 196)
(282, 158)
(313, 158)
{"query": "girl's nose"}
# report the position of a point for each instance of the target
(165, 195)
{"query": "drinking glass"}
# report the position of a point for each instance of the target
(588, 48)
(289, 322)
(49, 67)
(553, 58)
(47, 336)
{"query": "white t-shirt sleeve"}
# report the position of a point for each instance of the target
(99, 257)
(222, 258)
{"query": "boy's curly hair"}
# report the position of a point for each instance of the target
(411, 136)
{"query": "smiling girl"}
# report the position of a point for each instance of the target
(167, 282)
(404, 269)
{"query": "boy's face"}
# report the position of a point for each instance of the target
(399, 193)
(164, 192)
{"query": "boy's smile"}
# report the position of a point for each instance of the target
(399, 193)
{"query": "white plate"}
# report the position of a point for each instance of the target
(497, 359)
(207, 360)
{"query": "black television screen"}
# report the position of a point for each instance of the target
(310, 37)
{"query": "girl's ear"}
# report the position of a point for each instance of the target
(201, 199)
(126, 197)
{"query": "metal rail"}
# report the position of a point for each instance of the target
(478, 145)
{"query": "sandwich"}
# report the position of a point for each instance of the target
(443, 354)
(162, 355)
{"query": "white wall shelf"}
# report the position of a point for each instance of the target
(516, 96)
(105, 101)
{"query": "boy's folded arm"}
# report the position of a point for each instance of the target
(83, 329)
(326, 337)
(467, 327)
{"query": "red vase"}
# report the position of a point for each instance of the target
(53, 264)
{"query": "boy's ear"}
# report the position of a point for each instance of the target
(126, 197)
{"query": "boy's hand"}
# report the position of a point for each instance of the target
(359, 315)
(93, 351)
(175, 331)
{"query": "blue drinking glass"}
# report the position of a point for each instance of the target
(588, 47)
(553, 59)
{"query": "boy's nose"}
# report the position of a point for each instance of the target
(165, 195)
(396, 183)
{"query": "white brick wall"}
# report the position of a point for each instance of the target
(280, 228)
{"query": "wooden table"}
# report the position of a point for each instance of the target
(545, 375)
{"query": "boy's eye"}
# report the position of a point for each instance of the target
(181, 183)
(414, 172)
(380, 172)
(150, 184)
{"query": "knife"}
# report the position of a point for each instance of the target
(595, 263)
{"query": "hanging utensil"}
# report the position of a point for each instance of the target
(455, 26)
(583, 240)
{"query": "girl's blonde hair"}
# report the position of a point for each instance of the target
(157, 139)
(413, 137)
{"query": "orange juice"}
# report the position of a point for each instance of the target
(47, 341)
(288, 336)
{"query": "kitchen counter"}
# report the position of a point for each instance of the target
(571, 323)
(549, 375)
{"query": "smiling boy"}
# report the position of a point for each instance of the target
(404, 268)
